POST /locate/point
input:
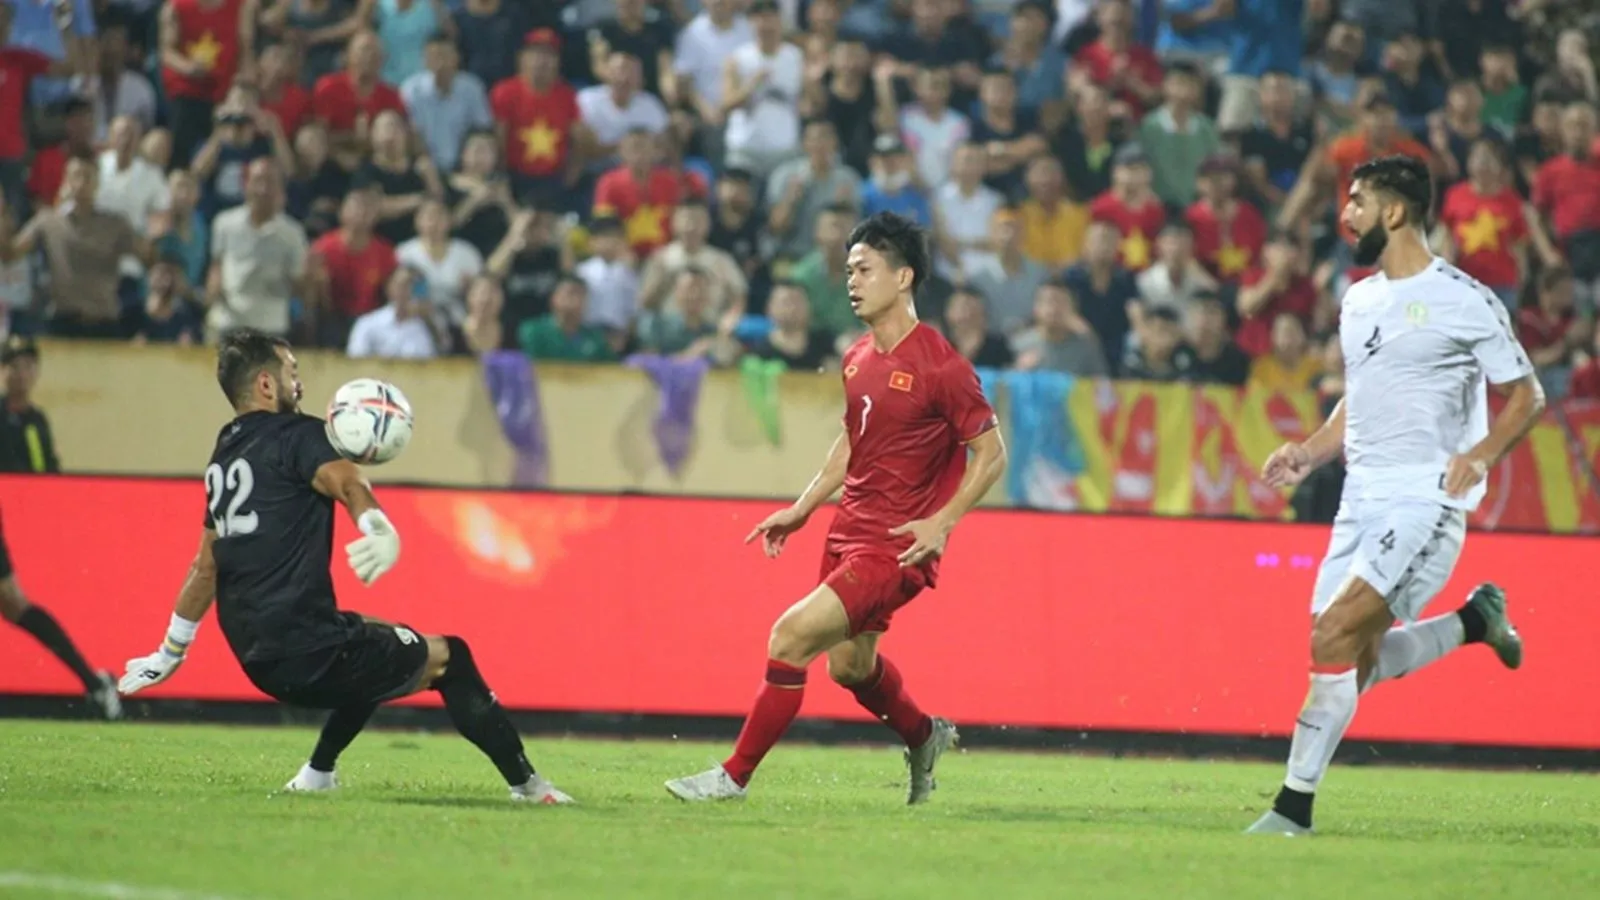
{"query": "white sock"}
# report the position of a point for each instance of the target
(1330, 705)
(1405, 650)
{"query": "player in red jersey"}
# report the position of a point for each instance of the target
(913, 414)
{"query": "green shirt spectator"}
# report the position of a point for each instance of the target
(561, 335)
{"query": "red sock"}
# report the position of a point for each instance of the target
(884, 695)
(777, 703)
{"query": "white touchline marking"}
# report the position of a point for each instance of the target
(113, 890)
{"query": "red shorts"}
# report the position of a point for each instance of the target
(872, 587)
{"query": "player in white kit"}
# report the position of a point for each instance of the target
(1421, 342)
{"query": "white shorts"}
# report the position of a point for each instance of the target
(1405, 549)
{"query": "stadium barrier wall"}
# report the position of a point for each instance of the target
(650, 605)
(1165, 449)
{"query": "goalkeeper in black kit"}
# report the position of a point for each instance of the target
(265, 553)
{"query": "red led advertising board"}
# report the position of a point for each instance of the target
(652, 605)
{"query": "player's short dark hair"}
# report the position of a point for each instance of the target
(441, 37)
(1403, 178)
(901, 241)
(241, 355)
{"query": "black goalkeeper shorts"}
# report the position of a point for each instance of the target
(379, 663)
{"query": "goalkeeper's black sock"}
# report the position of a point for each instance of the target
(44, 627)
(341, 728)
(478, 715)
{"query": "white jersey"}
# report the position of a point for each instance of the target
(1419, 353)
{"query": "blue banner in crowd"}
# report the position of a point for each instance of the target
(1046, 455)
(678, 380)
(514, 390)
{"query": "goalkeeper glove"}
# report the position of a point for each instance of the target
(146, 671)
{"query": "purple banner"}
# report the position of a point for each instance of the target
(678, 380)
(514, 391)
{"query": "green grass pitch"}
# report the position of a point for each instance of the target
(147, 812)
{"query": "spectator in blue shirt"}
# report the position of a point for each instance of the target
(1266, 38)
(1028, 55)
(445, 103)
(1198, 31)
(893, 186)
(34, 27)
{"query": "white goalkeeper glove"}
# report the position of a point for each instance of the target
(146, 671)
(377, 550)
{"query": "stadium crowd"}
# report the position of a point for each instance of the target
(1145, 191)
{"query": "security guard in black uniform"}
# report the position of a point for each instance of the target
(25, 441)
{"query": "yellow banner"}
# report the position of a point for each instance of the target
(1142, 448)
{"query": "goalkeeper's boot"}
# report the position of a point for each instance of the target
(537, 790)
(311, 781)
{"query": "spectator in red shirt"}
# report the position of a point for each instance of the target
(1566, 192)
(536, 114)
(640, 193)
(1132, 206)
(349, 267)
(1131, 73)
(1482, 223)
(204, 45)
(1228, 232)
(1585, 383)
(1552, 331)
(50, 163)
(278, 91)
(1275, 288)
(348, 101)
(18, 67)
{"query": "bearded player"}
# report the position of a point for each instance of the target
(264, 557)
(1421, 340)
(913, 413)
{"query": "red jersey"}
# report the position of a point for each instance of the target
(538, 125)
(292, 108)
(645, 209)
(1139, 226)
(1585, 384)
(1101, 62)
(1537, 329)
(909, 413)
(1568, 191)
(208, 36)
(1228, 249)
(337, 103)
(355, 278)
(18, 68)
(1485, 230)
(1254, 336)
(45, 176)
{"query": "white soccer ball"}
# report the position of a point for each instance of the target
(369, 421)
